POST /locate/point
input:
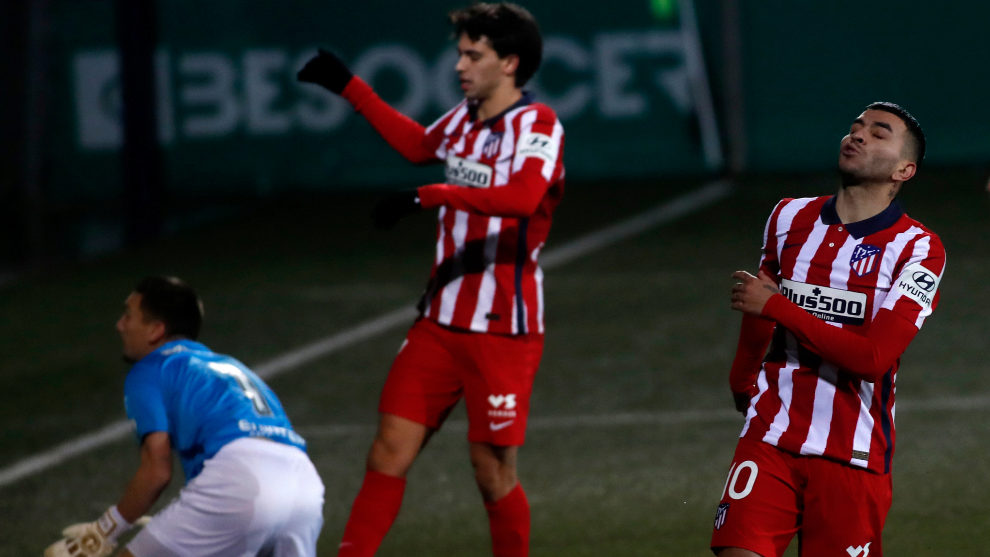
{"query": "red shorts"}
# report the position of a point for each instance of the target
(770, 495)
(436, 366)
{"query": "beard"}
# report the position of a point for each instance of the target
(848, 178)
(874, 171)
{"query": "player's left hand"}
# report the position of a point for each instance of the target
(82, 540)
(92, 539)
(750, 294)
(741, 401)
(394, 206)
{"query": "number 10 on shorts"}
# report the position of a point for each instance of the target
(748, 471)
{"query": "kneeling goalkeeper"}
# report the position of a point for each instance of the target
(251, 489)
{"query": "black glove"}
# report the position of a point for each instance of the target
(394, 206)
(327, 70)
(742, 402)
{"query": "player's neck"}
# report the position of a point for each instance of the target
(859, 202)
(500, 99)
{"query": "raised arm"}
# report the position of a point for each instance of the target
(401, 132)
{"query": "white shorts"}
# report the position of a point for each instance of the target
(253, 497)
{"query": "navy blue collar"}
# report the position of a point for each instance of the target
(882, 220)
(527, 98)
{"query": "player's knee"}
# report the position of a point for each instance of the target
(390, 457)
(494, 471)
(396, 445)
(494, 484)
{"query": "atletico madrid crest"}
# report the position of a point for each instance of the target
(492, 144)
(864, 259)
(723, 508)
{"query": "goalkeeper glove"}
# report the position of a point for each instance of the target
(327, 70)
(394, 206)
(91, 539)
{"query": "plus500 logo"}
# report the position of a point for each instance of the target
(829, 304)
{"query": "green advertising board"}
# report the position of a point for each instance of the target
(809, 68)
(645, 89)
(232, 119)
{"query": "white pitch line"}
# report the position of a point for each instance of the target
(83, 444)
(579, 247)
(315, 350)
(659, 215)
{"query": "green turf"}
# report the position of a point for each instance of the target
(641, 328)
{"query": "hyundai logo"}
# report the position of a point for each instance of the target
(924, 280)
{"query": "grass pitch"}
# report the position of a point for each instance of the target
(631, 432)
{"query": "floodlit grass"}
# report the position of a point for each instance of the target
(631, 429)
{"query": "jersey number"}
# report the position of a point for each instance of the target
(732, 482)
(244, 382)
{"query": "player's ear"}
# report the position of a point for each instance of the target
(156, 331)
(904, 171)
(510, 64)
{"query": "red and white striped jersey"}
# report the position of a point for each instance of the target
(504, 177)
(843, 274)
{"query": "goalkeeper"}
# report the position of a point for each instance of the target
(251, 489)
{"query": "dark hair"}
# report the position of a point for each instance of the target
(174, 303)
(914, 128)
(511, 30)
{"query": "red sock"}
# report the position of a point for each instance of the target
(373, 512)
(508, 519)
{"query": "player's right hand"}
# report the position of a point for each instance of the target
(750, 294)
(395, 206)
(327, 70)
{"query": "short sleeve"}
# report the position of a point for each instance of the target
(144, 401)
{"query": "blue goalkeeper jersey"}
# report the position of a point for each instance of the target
(203, 400)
